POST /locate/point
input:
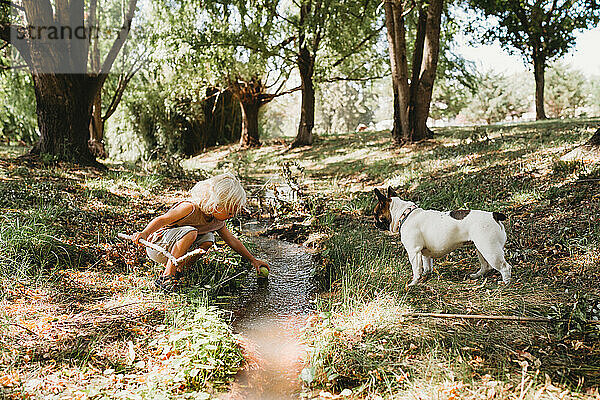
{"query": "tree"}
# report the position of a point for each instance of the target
(252, 95)
(496, 98)
(331, 37)
(46, 37)
(565, 91)
(239, 46)
(133, 58)
(412, 95)
(253, 47)
(541, 30)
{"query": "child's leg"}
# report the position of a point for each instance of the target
(179, 249)
(205, 241)
(174, 240)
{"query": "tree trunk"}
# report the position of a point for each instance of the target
(64, 104)
(417, 64)
(539, 67)
(96, 143)
(250, 135)
(412, 102)
(97, 123)
(307, 112)
(397, 47)
(431, 50)
(594, 140)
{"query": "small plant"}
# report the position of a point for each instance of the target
(564, 168)
(220, 271)
(579, 319)
(205, 351)
(29, 247)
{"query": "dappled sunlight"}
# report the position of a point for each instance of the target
(90, 323)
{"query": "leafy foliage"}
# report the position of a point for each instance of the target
(342, 106)
(566, 91)
(206, 353)
(173, 115)
(496, 99)
(18, 120)
(579, 318)
(544, 27)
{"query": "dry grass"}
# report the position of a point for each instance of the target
(89, 323)
(95, 321)
(553, 245)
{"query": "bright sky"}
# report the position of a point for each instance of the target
(584, 56)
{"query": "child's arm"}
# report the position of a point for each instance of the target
(239, 248)
(174, 214)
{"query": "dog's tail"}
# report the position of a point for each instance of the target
(499, 216)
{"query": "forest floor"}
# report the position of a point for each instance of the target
(362, 339)
(79, 317)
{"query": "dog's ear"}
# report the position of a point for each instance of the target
(391, 192)
(380, 196)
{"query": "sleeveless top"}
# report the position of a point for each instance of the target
(197, 219)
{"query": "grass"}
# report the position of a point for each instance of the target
(361, 343)
(78, 311)
(79, 316)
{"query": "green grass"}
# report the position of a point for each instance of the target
(78, 300)
(29, 245)
(360, 340)
(554, 239)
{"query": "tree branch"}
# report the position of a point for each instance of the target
(268, 97)
(11, 4)
(118, 44)
(121, 86)
(7, 67)
(358, 46)
(7, 32)
(350, 79)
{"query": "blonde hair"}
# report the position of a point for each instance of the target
(223, 191)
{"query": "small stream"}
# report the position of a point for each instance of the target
(270, 321)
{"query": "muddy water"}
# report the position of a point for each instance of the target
(270, 322)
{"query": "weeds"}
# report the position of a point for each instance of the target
(29, 247)
(206, 353)
(78, 307)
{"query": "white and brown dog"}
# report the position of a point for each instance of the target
(428, 234)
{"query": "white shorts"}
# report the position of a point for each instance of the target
(168, 237)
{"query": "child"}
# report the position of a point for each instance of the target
(212, 202)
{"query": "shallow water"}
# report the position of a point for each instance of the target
(270, 321)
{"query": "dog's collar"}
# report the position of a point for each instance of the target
(405, 215)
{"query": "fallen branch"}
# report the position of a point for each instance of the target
(586, 180)
(25, 328)
(479, 316)
(491, 317)
(101, 310)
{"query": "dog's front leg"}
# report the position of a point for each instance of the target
(416, 260)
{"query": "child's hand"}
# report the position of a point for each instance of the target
(137, 236)
(256, 263)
